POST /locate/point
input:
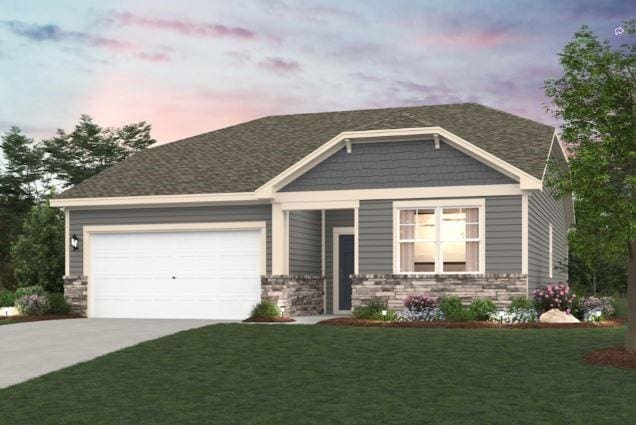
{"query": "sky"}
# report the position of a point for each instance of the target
(189, 67)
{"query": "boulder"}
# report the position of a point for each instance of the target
(557, 316)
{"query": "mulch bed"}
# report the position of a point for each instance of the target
(268, 320)
(613, 356)
(20, 319)
(346, 321)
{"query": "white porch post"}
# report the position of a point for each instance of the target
(279, 240)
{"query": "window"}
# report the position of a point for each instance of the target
(550, 250)
(439, 240)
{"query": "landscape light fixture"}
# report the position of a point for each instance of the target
(74, 242)
(282, 311)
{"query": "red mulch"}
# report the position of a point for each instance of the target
(268, 320)
(613, 356)
(17, 319)
(346, 321)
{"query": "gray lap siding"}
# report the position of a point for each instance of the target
(503, 235)
(305, 243)
(200, 214)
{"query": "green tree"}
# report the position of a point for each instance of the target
(595, 99)
(38, 253)
(23, 181)
(74, 157)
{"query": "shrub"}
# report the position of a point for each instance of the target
(425, 315)
(554, 296)
(7, 298)
(57, 303)
(38, 253)
(267, 309)
(516, 315)
(482, 308)
(417, 303)
(594, 309)
(32, 305)
(373, 311)
(449, 305)
(520, 303)
(29, 290)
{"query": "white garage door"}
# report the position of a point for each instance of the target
(202, 274)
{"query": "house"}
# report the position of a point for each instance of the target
(321, 212)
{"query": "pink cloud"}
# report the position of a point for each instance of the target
(479, 39)
(279, 65)
(176, 112)
(153, 56)
(183, 27)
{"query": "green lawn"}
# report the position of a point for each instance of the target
(279, 374)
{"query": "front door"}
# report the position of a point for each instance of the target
(345, 270)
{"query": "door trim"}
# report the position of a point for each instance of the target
(335, 290)
(88, 231)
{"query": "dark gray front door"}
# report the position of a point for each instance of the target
(345, 265)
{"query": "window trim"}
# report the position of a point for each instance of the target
(439, 204)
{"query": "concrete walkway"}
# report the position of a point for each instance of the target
(34, 348)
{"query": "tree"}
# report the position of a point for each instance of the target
(89, 148)
(595, 99)
(38, 253)
(23, 181)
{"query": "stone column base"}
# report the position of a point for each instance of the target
(301, 295)
(76, 293)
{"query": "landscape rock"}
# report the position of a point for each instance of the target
(557, 316)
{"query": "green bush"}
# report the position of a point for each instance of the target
(463, 315)
(373, 311)
(57, 303)
(29, 290)
(7, 298)
(38, 253)
(449, 305)
(520, 303)
(482, 308)
(267, 309)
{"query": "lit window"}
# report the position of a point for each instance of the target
(439, 240)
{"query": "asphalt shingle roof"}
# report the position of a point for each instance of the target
(243, 157)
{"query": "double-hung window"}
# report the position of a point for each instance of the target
(444, 239)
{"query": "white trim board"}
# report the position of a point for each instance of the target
(89, 231)
(335, 287)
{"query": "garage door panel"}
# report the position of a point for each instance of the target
(216, 274)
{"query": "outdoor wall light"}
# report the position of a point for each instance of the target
(74, 242)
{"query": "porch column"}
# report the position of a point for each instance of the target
(279, 240)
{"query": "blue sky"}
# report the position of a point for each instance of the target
(193, 66)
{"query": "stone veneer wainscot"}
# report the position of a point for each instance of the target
(394, 288)
(301, 295)
(76, 293)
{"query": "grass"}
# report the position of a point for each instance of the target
(275, 374)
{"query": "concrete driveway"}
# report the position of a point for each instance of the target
(35, 348)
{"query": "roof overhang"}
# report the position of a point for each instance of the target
(267, 192)
(158, 200)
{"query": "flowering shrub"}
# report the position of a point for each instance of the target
(595, 309)
(424, 315)
(517, 315)
(416, 303)
(554, 296)
(32, 305)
